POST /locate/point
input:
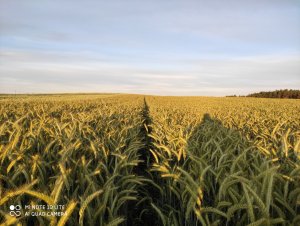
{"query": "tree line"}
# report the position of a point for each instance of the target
(283, 93)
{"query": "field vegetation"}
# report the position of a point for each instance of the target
(148, 160)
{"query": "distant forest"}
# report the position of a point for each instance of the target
(283, 93)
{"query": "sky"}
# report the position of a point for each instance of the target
(162, 47)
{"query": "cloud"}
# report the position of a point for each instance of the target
(23, 71)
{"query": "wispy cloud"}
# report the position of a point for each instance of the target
(36, 73)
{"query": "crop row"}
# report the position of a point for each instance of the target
(224, 161)
(80, 154)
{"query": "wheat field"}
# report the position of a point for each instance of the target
(117, 159)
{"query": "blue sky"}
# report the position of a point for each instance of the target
(154, 47)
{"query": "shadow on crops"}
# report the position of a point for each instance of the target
(227, 151)
(210, 140)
